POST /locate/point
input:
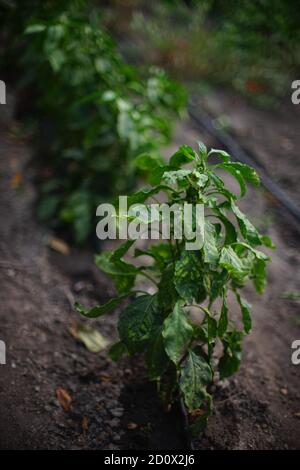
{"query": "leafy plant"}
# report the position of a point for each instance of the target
(180, 353)
(95, 114)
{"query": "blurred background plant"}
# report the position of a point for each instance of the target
(95, 105)
(252, 47)
(93, 111)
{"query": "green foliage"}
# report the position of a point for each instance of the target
(181, 351)
(96, 113)
(252, 46)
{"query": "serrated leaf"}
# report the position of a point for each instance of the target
(177, 333)
(196, 375)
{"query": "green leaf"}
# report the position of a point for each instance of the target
(247, 172)
(223, 320)
(117, 350)
(177, 177)
(210, 247)
(236, 174)
(100, 310)
(177, 333)
(185, 154)
(124, 274)
(200, 423)
(147, 162)
(141, 196)
(167, 294)
(259, 276)
(195, 376)
(231, 235)
(48, 206)
(122, 250)
(188, 277)
(202, 151)
(222, 154)
(246, 312)
(267, 241)
(138, 322)
(156, 358)
(248, 230)
(35, 28)
(218, 282)
(230, 261)
(241, 173)
(231, 359)
(220, 187)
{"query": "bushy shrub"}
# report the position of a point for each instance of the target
(95, 112)
(180, 352)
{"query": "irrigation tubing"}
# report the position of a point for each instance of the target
(204, 120)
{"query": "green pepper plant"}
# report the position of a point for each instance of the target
(182, 350)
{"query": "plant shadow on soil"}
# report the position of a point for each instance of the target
(146, 425)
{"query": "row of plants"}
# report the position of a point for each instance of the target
(102, 122)
(182, 352)
(252, 47)
(93, 111)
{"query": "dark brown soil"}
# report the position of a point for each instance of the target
(113, 406)
(38, 290)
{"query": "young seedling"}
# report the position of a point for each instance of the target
(180, 353)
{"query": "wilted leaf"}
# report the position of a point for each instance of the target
(64, 399)
(59, 245)
(16, 180)
(91, 338)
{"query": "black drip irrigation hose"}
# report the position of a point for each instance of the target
(204, 120)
